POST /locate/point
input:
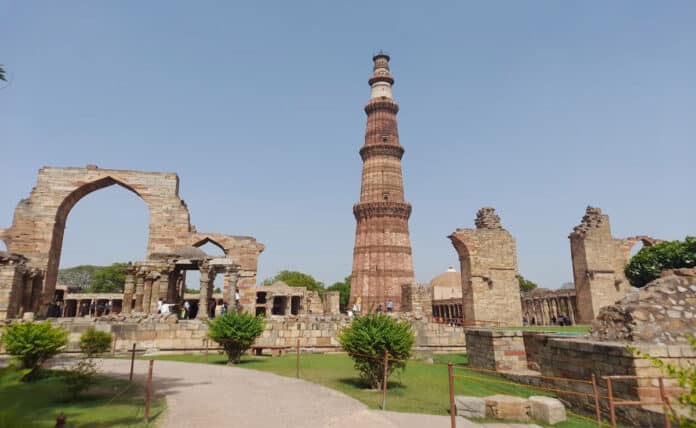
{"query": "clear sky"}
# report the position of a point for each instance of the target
(537, 108)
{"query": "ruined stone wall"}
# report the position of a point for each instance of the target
(416, 298)
(488, 257)
(598, 264)
(332, 302)
(496, 350)
(663, 312)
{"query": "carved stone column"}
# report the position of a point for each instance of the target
(139, 291)
(231, 279)
(128, 289)
(207, 277)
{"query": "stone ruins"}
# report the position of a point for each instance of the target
(488, 258)
(34, 241)
(598, 263)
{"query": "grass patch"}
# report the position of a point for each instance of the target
(574, 329)
(421, 388)
(36, 404)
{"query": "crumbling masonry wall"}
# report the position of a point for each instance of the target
(488, 257)
(598, 263)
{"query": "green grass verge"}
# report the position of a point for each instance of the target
(421, 388)
(37, 403)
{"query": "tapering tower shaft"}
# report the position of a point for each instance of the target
(382, 262)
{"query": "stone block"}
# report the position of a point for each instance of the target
(547, 410)
(470, 407)
(507, 407)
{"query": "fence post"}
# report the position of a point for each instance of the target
(384, 380)
(596, 400)
(206, 350)
(130, 378)
(453, 410)
(665, 403)
(148, 391)
(297, 363)
(611, 403)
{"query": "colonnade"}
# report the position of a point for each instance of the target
(547, 309)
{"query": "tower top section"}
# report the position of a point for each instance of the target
(381, 81)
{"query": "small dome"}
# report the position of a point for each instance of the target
(451, 278)
(192, 253)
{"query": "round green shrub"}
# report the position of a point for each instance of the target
(647, 265)
(367, 339)
(235, 332)
(32, 343)
(93, 342)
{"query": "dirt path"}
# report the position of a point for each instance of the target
(201, 395)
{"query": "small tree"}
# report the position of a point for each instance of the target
(525, 284)
(235, 332)
(687, 380)
(32, 344)
(647, 265)
(369, 337)
(82, 376)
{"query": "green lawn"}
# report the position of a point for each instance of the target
(421, 388)
(571, 329)
(36, 404)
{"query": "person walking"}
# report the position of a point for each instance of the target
(187, 309)
(390, 306)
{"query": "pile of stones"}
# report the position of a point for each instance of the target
(662, 312)
(546, 410)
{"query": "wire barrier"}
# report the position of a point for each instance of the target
(557, 390)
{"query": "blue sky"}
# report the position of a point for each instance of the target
(537, 108)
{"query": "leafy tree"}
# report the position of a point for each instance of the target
(78, 276)
(343, 289)
(84, 373)
(525, 284)
(367, 339)
(33, 343)
(647, 265)
(235, 332)
(686, 376)
(109, 279)
(297, 279)
(2, 74)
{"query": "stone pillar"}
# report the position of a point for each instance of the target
(127, 306)
(488, 258)
(231, 280)
(571, 311)
(207, 277)
(139, 291)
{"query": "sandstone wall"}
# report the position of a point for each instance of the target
(488, 257)
(496, 350)
(664, 312)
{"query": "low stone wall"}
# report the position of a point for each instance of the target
(496, 349)
(156, 333)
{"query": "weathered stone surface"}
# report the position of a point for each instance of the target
(382, 261)
(661, 312)
(598, 263)
(470, 407)
(547, 410)
(496, 350)
(488, 258)
(508, 407)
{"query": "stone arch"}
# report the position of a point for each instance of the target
(629, 243)
(39, 221)
(209, 240)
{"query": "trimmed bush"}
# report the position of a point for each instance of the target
(647, 265)
(93, 342)
(235, 332)
(367, 339)
(32, 343)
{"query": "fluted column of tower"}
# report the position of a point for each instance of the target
(382, 261)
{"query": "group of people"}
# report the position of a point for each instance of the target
(356, 309)
(187, 311)
(561, 320)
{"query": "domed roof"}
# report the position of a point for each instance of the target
(192, 253)
(451, 279)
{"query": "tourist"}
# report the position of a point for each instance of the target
(390, 306)
(159, 306)
(182, 314)
(379, 309)
(223, 309)
(237, 304)
(187, 308)
(349, 312)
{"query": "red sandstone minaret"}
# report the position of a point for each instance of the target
(382, 262)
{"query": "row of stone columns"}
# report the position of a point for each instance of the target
(448, 311)
(541, 310)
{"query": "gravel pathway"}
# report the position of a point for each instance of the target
(202, 395)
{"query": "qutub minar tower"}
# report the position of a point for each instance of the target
(382, 261)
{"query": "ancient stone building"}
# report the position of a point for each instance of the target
(488, 257)
(598, 263)
(446, 292)
(39, 221)
(281, 299)
(542, 306)
(382, 262)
